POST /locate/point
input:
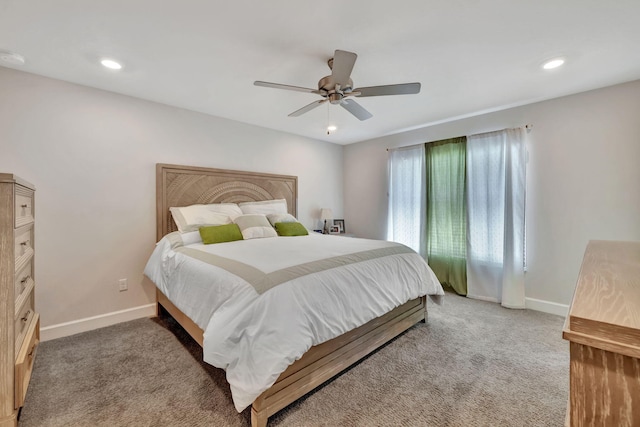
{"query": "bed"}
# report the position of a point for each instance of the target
(183, 186)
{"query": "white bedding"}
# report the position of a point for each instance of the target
(255, 336)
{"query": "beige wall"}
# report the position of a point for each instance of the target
(583, 179)
(91, 155)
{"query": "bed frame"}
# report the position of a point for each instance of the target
(185, 185)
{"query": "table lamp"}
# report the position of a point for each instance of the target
(325, 214)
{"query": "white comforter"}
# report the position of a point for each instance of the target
(255, 337)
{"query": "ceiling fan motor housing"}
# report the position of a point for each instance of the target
(335, 98)
(334, 91)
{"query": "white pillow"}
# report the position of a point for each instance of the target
(264, 207)
(279, 217)
(191, 218)
(230, 209)
(254, 226)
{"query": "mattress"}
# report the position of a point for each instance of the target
(262, 303)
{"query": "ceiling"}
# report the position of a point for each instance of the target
(470, 56)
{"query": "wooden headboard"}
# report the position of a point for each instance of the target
(188, 185)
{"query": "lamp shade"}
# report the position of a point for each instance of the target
(326, 213)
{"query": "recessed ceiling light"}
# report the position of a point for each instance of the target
(553, 63)
(11, 58)
(111, 64)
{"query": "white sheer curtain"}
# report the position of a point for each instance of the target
(407, 198)
(496, 164)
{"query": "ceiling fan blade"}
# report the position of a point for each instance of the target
(286, 87)
(343, 63)
(399, 89)
(308, 108)
(356, 109)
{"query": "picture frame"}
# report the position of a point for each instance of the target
(340, 224)
(334, 230)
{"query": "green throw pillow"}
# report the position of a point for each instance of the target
(220, 233)
(290, 229)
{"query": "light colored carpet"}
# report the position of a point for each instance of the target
(473, 364)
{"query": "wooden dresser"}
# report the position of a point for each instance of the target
(19, 322)
(603, 327)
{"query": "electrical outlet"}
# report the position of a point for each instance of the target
(122, 285)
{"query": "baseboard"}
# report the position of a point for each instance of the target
(90, 323)
(535, 304)
(547, 306)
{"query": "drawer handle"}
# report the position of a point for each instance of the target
(25, 279)
(24, 206)
(26, 316)
(25, 243)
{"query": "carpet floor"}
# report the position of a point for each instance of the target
(473, 364)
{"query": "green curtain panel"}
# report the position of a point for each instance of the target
(446, 212)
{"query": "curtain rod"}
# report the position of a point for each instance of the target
(527, 127)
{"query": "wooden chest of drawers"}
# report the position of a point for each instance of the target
(19, 322)
(603, 327)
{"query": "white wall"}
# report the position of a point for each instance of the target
(91, 155)
(583, 179)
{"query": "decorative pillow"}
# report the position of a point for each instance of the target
(264, 207)
(290, 229)
(255, 226)
(279, 217)
(220, 233)
(191, 218)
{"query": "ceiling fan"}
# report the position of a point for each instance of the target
(338, 87)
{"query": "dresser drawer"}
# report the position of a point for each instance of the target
(23, 242)
(23, 284)
(24, 361)
(23, 206)
(23, 320)
(23, 277)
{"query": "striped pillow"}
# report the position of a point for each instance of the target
(280, 217)
(254, 226)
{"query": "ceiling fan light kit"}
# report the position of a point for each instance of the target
(337, 88)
